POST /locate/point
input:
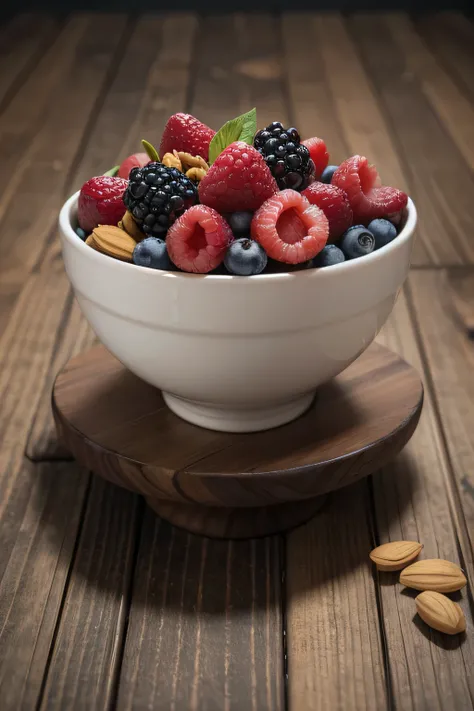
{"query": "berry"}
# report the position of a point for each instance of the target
(198, 240)
(329, 255)
(156, 196)
(240, 223)
(383, 231)
(100, 202)
(335, 205)
(289, 228)
(151, 252)
(81, 234)
(245, 257)
(183, 132)
(137, 160)
(237, 180)
(288, 159)
(318, 152)
(326, 175)
(368, 200)
(357, 242)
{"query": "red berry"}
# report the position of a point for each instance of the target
(368, 200)
(101, 202)
(289, 228)
(137, 160)
(183, 132)
(318, 152)
(238, 180)
(334, 203)
(198, 240)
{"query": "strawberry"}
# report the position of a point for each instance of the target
(183, 132)
(101, 202)
(137, 160)
(198, 240)
(238, 180)
(368, 200)
(289, 228)
(334, 203)
(318, 152)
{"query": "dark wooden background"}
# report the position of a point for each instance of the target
(102, 605)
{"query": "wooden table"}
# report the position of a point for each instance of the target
(102, 605)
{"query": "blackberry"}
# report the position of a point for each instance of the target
(289, 161)
(156, 196)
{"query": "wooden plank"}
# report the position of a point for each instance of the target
(335, 658)
(412, 500)
(150, 84)
(447, 100)
(451, 38)
(442, 184)
(205, 626)
(444, 308)
(38, 528)
(87, 647)
(22, 41)
(44, 168)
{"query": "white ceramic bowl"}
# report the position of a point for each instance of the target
(237, 354)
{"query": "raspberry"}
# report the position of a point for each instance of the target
(100, 202)
(318, 152)
(289, 228)
(334, 203)
(368, 200)
(238, 180)
(137, 160)
(183, 132)
(198, 240)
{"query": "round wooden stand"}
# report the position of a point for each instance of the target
(235, 485)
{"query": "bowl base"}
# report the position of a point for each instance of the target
(237, 523)
(225, 419)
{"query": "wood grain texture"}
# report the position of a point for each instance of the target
(442, 183)
(119, 426)
(413, 501)
(335, 658)
(205, 625)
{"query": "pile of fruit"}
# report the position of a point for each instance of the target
(239, 201)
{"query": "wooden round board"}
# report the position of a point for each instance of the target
(235, 485)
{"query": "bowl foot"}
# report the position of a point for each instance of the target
(221, 522)
(223, 419)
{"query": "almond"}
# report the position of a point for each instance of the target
(131, 228)
(434, 574)
(395, 555)
(440, 613)
(113, 241)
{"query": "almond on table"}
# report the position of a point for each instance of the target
(395, 555)
(434, 574)
(440, 613)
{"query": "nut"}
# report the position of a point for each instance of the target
(196, 174)
(188, 161)
(434, 574)
(112, 241)
(395, 555)
(128, 224)
(171, 160)
(440, 613)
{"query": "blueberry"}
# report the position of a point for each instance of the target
(151, 252)
(81, 234)
(383, 231)
(329, 255)
(357, 242)
(245, 257)
(240, 223)
(328, 172)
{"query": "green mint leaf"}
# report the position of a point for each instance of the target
(112, 172)
(242, 128)
(151, 150)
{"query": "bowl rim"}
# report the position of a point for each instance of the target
(70, 207)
